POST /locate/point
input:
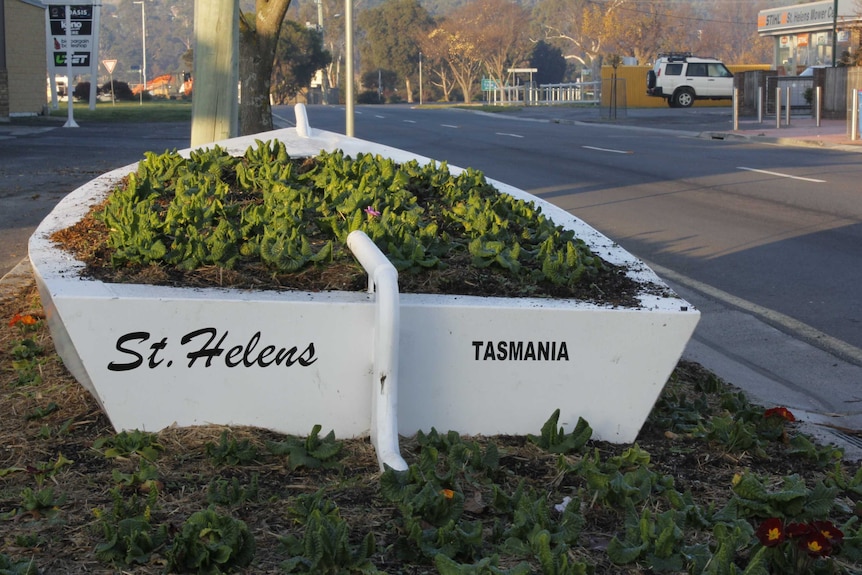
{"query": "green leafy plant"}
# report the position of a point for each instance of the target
(215, 209)
(324, 546)
(209, 543)
(130, 541)
(230, 451)
(9, 566)
(231, 493)
(555, 440)
(46, 469)
(43, 502)
(126, 443)
(313, 451)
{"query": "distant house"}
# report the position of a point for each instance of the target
(26, 61)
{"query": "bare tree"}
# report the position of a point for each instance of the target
(458, 48)
(501, 35)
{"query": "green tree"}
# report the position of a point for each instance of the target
(299, 54)
(549, 63)
(392, 31)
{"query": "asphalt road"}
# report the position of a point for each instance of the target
(41, 161)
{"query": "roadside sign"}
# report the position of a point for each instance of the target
(488, 84)
(109, 65)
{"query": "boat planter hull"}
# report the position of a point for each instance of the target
(158, 356)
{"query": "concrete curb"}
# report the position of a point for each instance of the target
(16, 280)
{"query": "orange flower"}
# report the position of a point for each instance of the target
(25, 319)
(447, 493)
(771, 532)
(781, 412)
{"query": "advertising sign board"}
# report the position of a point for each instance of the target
(73, 44)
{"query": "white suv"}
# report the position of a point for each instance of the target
(681, 79)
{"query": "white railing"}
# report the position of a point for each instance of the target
(547, 94)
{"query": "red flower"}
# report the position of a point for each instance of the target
(771, 532)
(829, 531)
(795, 530)
(25, 319)
(816, 544)
(781, 412)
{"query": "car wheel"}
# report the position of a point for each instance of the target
(684, 98)
(650, 79)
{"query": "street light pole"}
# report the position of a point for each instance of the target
(348, 81)
(144, 47)
(420, 78)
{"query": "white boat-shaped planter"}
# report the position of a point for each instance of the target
(157, 356)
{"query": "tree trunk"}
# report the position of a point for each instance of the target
(409, 91)
(258, 36)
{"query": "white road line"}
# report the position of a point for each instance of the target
(379, 116)
(780, 175)
(804, 331)
(448, 126)
(607, 150)
(510, 135)
(409, 121)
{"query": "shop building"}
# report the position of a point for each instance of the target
(813, 34)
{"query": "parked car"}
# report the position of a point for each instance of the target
(681, 79)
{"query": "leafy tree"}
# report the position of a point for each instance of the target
(299, 54)
(391, 34)
(549, 63)
(258, 38)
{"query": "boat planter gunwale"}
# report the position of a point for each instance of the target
(155, 356)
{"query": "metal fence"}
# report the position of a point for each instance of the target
(547, 94)
(795, 88)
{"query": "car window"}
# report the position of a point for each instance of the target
(696, 69)
(719, 71)
(673, 70)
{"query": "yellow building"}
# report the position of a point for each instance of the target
(26, 62)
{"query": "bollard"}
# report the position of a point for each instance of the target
(760, 104)
(736, 109)
(778, 107)
(787, 107)
(817, 106)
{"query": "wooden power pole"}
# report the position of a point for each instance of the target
(215, 107)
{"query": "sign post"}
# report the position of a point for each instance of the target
(73, 43)
(109, 66)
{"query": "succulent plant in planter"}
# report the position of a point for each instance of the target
(269, 220)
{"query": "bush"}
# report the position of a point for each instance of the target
(369, 97)
(122, 91)
(82, 91)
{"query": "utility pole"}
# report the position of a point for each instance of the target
(215, 107)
